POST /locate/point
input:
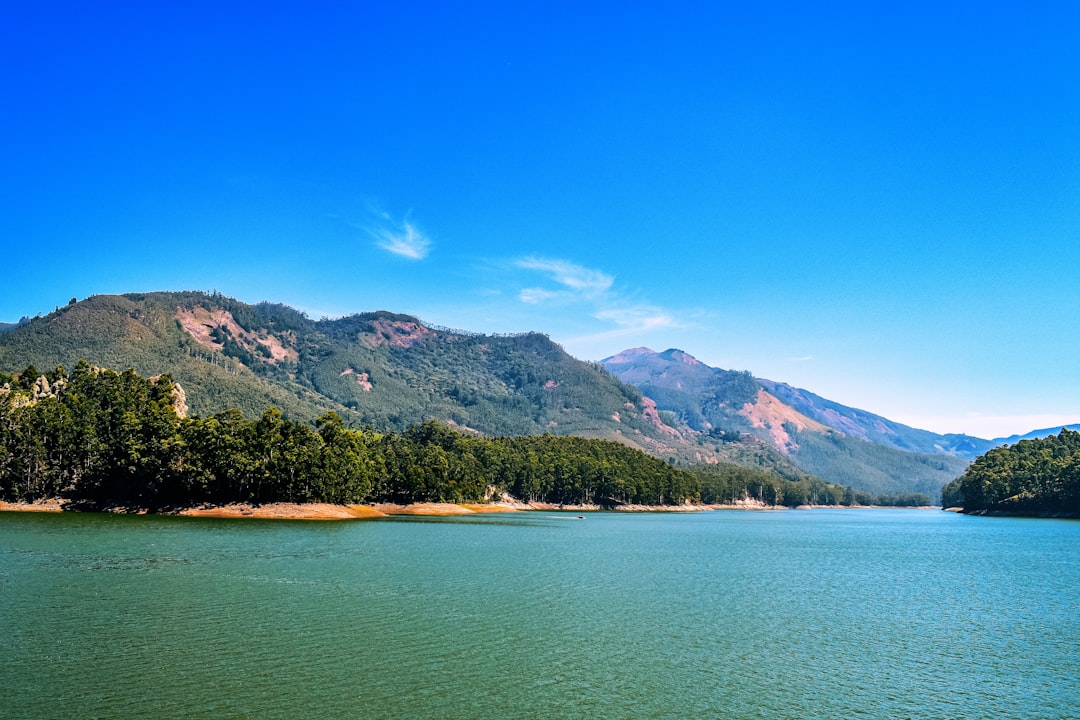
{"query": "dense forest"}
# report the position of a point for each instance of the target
(103, 437)
(1032, 477)
(389, 372)
(378, 369)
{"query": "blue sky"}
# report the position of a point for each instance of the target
(878, 204)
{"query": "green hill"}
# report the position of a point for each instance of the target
(389, 372)
(142, 332)
(380, 369)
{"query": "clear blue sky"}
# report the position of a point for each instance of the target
(880, 204)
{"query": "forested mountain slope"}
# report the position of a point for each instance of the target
(101, 439)
(380, 369)
(389, 372)
(875, 428)
(828, 443)
(143, 332)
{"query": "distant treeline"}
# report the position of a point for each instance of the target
(100, 436)
(1032, 477)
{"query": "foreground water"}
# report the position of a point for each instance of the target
(798, 614)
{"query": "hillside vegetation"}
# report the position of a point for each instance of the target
(104, 438)
(867, 426)
(726, 404)
(142, 332)
(380, 370)
(389, 372)
(1033, 477)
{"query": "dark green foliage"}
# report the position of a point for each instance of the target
(873, 468)
(727, 484)
(1029, 478)
(102, 433)
(104, 437)
(380, 369)
(903, 500)
(577, 470)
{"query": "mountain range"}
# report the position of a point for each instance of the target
(389, 371)
(378, 369)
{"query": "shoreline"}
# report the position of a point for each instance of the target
(328, 511)
(997, 512)
(375, 511)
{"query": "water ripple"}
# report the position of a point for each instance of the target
(731, 615)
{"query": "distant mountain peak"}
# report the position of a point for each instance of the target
(824, 438)
(629, 356)
(676, 355)
(1034, 434)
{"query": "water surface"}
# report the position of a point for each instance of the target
(795, 614)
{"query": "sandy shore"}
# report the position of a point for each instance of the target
(434, 509)
(286, 511)
(41, 506)
(326, 511)
(277, 511)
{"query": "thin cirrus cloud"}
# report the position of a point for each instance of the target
(402, 239)
(638, 318)
(630, 321)
(575, 283)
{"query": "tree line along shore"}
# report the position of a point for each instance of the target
(96, 438)
(1035, 477)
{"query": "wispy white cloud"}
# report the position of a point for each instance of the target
(631, 322)
(800, 359)
(575, 280)
(595, 291)
(400, 238)
(638, 318)
(538, 296)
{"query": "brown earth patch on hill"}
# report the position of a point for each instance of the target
(397, 333)
(771, 414)
(362, 378)
(200, 324)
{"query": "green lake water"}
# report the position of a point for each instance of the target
(791, 614)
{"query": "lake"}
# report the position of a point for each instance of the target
(730, 614)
